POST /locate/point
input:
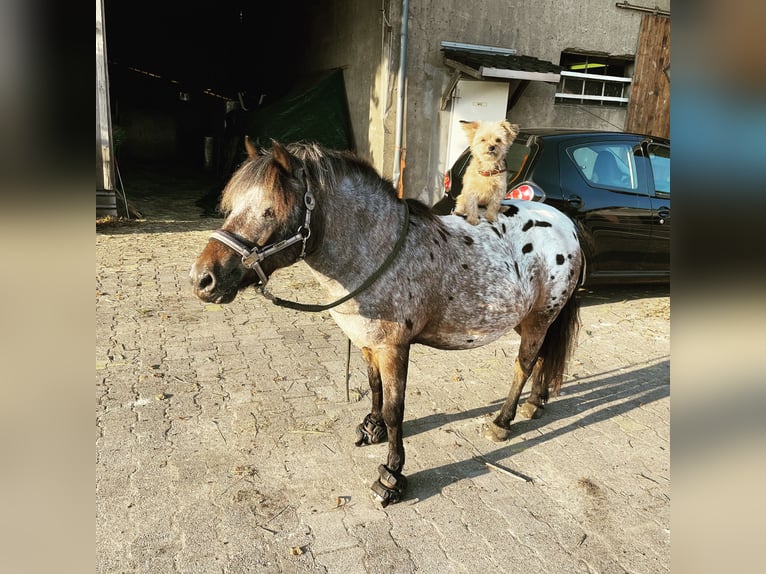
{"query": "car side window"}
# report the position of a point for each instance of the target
(515, 159)
(659, 158)
(609, 165)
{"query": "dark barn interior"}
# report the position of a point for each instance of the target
(173, 66)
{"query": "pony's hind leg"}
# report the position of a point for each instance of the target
(534, 405)
(499, 428)
(531, 341)
(372, 430)
(546, 347)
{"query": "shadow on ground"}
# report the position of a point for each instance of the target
(603, 396)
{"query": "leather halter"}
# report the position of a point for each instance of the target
(252, 256)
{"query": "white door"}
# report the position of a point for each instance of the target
(474, 100)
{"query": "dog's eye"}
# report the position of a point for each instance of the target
(269, 213)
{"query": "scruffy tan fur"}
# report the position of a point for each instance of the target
(489, 141)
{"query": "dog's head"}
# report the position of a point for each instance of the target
(490, 140)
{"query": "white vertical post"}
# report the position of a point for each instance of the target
(104, 148)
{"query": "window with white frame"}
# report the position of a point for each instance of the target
(594, 80)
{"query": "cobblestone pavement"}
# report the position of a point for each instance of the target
(224, 438)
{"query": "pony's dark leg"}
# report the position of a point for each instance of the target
(372, 430)
(531, 340)
(534, 405)
(546, 346)
(393, 364)
(560, 338)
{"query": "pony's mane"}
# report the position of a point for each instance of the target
(326, 167)
(340, 164)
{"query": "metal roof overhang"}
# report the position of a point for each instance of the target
(519, 75)
(485, 62)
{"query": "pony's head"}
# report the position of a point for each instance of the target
(264, 202)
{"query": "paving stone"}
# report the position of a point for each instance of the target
(224, 441)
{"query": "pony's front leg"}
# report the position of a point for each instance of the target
(372, 430)
(393, 364)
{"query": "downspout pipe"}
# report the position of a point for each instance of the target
(400, 96)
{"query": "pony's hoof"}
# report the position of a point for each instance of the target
(389, 488)
(496, 433)
(370, 432)
(531, 411)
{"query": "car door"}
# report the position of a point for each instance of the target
(658, 253)
(602, 187)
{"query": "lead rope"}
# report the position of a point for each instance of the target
(369, 281)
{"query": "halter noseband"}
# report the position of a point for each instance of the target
(252, 256)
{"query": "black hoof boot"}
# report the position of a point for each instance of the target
(390, 487)
(370, 432)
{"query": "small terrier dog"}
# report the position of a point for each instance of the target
(484, 180)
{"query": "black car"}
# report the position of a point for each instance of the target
(614, 185)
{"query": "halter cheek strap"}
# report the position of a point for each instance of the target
(252, 256)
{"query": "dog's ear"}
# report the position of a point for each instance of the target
(512, 129)
(469, 128)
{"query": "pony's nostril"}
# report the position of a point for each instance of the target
(205, 282)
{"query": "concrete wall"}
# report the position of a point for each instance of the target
(357, 36)
(363, 37)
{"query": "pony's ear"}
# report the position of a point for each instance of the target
(252, 151)
(283, 157)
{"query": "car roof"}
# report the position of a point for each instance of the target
(564, 133)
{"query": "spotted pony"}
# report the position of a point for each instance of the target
(399, 275)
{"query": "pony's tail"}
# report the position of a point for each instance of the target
(558, 345)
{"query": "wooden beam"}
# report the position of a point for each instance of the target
(467, 70)
(649, 105)
(447, 95)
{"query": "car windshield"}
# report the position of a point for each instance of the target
(516, 158)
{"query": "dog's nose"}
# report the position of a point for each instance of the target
(491, 148)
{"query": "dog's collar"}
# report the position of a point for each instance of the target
(490, 172)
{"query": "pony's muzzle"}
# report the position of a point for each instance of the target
(203, 281)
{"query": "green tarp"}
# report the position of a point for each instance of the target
(314, 111)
